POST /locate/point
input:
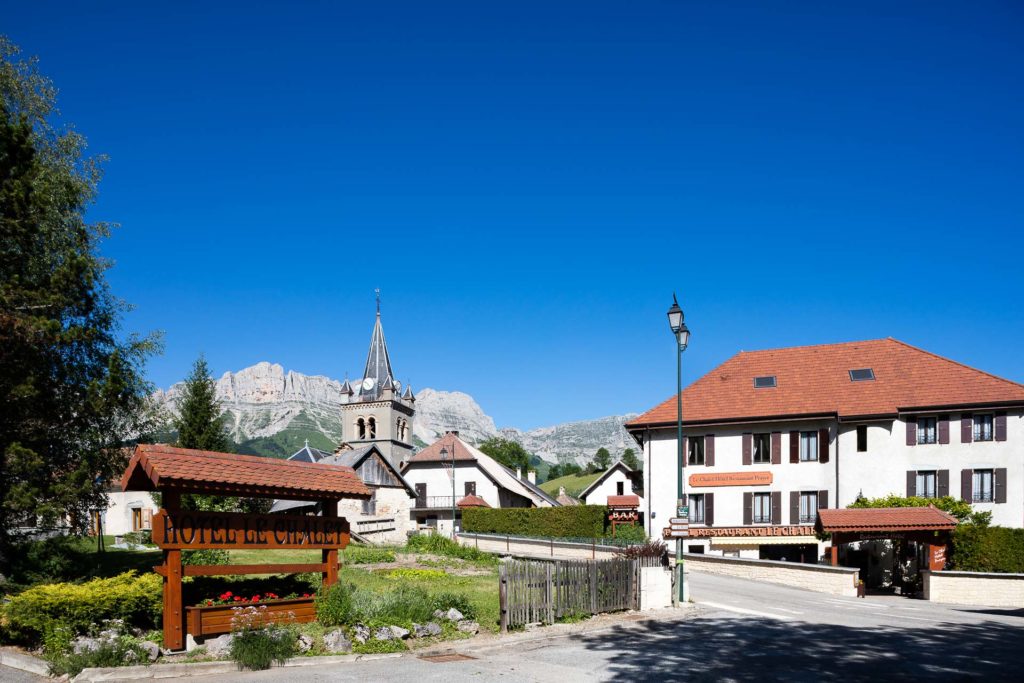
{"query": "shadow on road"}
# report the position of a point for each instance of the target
(765, 649)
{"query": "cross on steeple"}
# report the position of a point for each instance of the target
(377, 374)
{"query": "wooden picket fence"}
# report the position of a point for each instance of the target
(541, 591)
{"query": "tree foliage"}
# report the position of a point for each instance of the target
(960, 509)
(508, 452)
(602, 459)
(72, 392)
(630, 460)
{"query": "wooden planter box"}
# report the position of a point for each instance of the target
(216, 619)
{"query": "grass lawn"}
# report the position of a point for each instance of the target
(300, 556)
(573, 483)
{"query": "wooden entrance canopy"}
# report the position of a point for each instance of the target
(176, 471)
(927, 525)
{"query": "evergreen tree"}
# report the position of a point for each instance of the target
(72, 393)
(630, 460)
(554, 472)
(200, 425)
(602, 459)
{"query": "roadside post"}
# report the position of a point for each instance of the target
(682, 334)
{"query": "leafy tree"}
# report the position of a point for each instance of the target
(200, 425)
(960, 509)
(571, 468)
(554, 472)
(506, 451)
(72, 392)
(630, 460)
(602, 459)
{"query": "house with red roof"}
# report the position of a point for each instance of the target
(772, 436)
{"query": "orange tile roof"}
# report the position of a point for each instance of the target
(473, 501)
(157, 467)
(432, 453)
(623, 501)
(815, 380)
(885, 519)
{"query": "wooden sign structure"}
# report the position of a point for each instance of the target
(176, 471)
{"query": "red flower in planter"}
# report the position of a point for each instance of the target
(306, 595)
(238, 598)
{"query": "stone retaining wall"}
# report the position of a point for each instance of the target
(974, 588)
(812, 577)
(539, 548)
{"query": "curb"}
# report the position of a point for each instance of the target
(15, 659)
(158, 671)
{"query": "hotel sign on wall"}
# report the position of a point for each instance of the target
(731, 479)
(188, 529)
(751, 531)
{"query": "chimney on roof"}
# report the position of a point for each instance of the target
(519, 473)
(531, 476)
(561, 491)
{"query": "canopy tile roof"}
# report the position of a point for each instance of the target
(815, 380)
(623, 501)
(473, 501)
(159, 467)
(885, 519)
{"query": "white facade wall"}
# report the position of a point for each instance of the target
(609, 487)
(880, 471)
(439, 483)
(117, 518)
(392, 503)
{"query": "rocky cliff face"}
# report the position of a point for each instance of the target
(272, 412)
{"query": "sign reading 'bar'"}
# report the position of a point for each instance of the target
(237, 530)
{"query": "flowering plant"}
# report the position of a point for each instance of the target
(229, 598)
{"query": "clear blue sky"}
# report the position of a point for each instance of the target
(529, 182)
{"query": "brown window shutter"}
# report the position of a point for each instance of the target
(1000, 426)
(147, 519)
(777, 449)
(709, 509)
(776, 507)
(911, 483)
(942, 483)
(823, 444)
(747, 448)
(967, 485)
(943, 429)
(822, 499)
(794, 507)
(966, 428)
(794, 447)
(748, 508)
(911, 431)
(999, 485)
(709, 450)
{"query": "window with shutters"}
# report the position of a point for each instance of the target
(983, 428)
(762, 448)
(762, 508)
(925, 487)
(696, 504)
(982, 486)
(808, 507)
(862, 438)
(696, 456)
(808, 446)
(926, 430)
(136, 519)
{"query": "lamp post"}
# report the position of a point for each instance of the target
(444, 455)
(682, 333)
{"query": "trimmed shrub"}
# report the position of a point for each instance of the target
(631, 532)
(575, 521)
(988, 549)
(76, 607)
(334, 604)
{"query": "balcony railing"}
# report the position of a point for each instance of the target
(434, 501)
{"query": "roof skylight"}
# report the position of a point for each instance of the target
(765, 382)
(862, 375)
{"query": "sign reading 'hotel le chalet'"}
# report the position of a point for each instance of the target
(188, 529)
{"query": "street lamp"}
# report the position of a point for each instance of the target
(444, 455)
(682, 333)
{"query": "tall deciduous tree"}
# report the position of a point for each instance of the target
(602, 459)
(506, 451)
(72, 393)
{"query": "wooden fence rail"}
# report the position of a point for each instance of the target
(540, 591)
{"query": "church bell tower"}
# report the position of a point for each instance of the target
(375, 411)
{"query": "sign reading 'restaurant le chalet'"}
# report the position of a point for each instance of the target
(188, 529)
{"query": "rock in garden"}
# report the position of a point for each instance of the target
(454, 615)
(305, 643)
(426, 630)
(85, 644)
(335, 641)
(439, 614)
(219, 646)
(399, 632)
(152, 650)
(361, 633)
(467, 626)
(383, 633)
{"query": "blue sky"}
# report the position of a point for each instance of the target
(529, 182)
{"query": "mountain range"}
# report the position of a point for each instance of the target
(270, 411)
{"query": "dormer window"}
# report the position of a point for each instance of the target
(765, 382)
(862, 375)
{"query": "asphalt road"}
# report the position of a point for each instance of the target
(741, 630)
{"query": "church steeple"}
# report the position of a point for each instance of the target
(378, 363)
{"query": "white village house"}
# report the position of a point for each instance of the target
(479, 480)
(617, 480)
(772, 436)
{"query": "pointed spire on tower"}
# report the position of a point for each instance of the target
(378, 363)
(408, 395)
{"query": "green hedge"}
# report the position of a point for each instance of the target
(79, 606)
(576, 521)
(988, 549)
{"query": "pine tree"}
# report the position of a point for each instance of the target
(630, 460)
(200, 421)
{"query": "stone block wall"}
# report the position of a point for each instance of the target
(812, 577)
(974, 588)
